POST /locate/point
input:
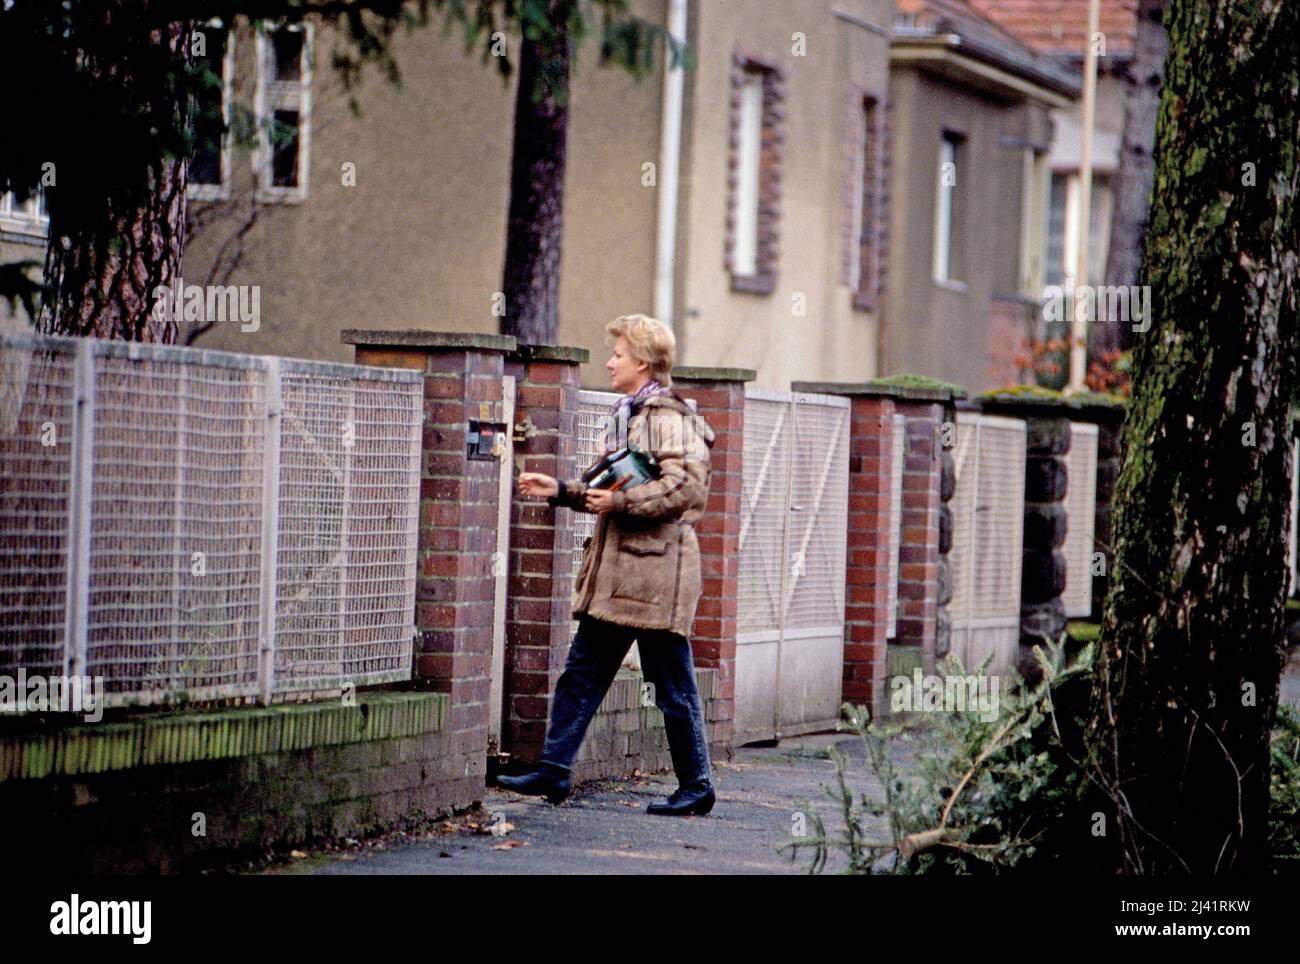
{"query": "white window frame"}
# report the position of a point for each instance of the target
(221, 191)
(30, 218)
(1099, 233)
(1036, 209)
(748, 173)
(278, 95)
(943, 215)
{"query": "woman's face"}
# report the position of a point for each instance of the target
(625, 372)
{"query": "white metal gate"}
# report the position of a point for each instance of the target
(1080, 507)
(790, 611)
(987, 540)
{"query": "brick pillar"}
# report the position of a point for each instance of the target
(866, 571)
(539, 614)
(1109, 419)
(918, 557)
(1042, 579)
(719, 394)
(458, 528)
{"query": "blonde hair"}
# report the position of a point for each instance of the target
(650, 341)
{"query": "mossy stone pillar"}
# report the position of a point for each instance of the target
(1043, 568)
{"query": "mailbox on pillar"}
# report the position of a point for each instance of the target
(485, 441)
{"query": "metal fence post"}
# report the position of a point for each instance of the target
(270, 531)
(178, 505)
(791, 455)
(347, 455)
(77, 613)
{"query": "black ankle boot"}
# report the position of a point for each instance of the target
(693, 801)
(545, 782)
(695, 795)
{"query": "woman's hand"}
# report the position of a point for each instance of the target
(599, 500)
(538, 484)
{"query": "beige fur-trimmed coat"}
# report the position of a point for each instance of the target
(641, 567)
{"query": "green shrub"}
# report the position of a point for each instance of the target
(1284, 792)
(1017, 793)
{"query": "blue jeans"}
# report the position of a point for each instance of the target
(666, 664)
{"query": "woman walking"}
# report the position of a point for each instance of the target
(640, 574)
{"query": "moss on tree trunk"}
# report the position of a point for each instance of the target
(1192, 636)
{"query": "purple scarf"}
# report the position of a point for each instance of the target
(621, 411)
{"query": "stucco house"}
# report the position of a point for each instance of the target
(971, 139)
(741, 201)
(837, 191)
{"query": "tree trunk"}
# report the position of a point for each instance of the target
(1192, 642)
(1136, 165)
(534, 230)
(103, 278)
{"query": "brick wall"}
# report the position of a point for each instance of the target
(123, 797)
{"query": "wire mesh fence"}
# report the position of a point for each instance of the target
(1080, 509)
(195, 525)
(987, 532)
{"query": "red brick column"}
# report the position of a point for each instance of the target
(918, 554)
(539, 614)
(458, 527)
(866, 607)
(719, 394)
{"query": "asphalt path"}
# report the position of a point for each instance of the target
(765, 795)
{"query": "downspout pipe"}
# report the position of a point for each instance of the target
(670, 143)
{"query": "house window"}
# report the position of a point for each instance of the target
(1033, 223)
(948, 221)
(1063, 226)
(863, 254)
(283, 112)
(211, 165)
(755, 157)
(25, 215)
(1056, 233)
